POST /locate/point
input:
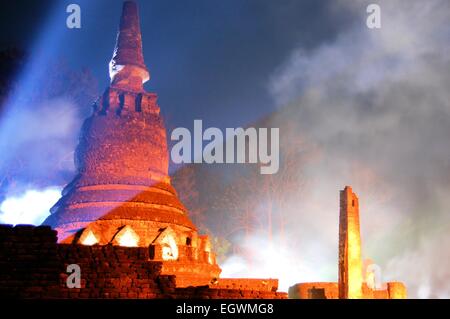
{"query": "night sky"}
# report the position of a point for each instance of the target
(209, 60)
(363, 107)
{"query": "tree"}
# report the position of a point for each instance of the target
(184, 181)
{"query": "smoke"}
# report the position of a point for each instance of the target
(40, 118)
(37, 143)
(375, 103)
(275, 259)
(425, 269)
(17, 209)
(39, 136)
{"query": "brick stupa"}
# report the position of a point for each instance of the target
(122, 193)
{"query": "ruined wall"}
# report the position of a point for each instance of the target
(33, 265)
(248, 284)
(392, 290)
(314, 290)
(330, 290)
(397, 290)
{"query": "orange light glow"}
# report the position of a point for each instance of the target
(370, 280)
(170, 248)
(354, 264)
(90, 239)
(128, 238)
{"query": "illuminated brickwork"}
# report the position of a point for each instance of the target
(350, 270)
(122, 194)
(350, 262)
(34, 265)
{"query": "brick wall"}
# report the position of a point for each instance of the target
(330, 290)
(33, 265)
(314, 290)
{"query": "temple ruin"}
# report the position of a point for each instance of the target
(121, 221)
(122, 193)
(351, 283)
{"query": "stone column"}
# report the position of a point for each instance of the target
(350, 264)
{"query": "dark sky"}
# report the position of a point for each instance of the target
(209, 60)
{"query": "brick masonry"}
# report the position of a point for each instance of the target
(33, 265)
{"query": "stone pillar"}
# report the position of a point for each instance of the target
(350, 263)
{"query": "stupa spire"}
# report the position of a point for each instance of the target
(127, 69)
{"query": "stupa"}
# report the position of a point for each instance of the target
(122, 193)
